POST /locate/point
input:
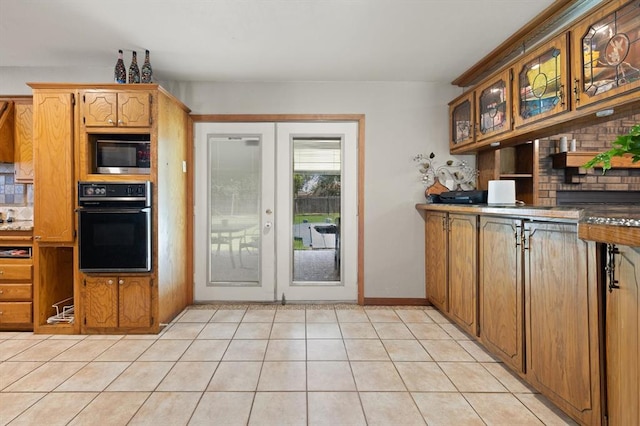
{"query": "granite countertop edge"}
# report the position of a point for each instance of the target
(18, 225)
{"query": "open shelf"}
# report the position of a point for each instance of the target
(573, 162)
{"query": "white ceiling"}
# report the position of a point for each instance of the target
(264, 40)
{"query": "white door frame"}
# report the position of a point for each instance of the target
(360, 119)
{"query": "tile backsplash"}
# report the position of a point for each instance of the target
(13, 194)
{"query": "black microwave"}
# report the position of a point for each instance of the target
(122, 157)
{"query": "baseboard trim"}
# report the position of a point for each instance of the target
(392, 301)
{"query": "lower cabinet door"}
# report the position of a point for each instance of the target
(463, 277)
(623, 340)
(100, 302)
(436, 260)
(135, 301)
(501, 288)
(561, 315)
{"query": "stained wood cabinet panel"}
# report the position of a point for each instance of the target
(53, 217)
(561, 316)
(7, 118)
(16, 294)
(437, 288)
(116, 109)
(111, 302)
(501, 288)
(23, 153)
(494, 106)
(461, 121)
(463, 254)
(623, 339)
(606, 54)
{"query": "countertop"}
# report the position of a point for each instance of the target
(608, 223)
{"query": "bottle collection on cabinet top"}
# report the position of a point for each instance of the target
(136, 75)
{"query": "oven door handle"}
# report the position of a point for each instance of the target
(116, 210)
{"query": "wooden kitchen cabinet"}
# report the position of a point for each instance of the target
(54, 183)
(494, 106)
(561, 319)
(122, 302)
(501, 288)
(606, 54)
(461, 270)
(623, 335)
(23, 140)
(461, 121)
(542, 82)
(16, 282)
(116, 108)
(436, 248)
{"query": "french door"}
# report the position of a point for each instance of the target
(276, 211)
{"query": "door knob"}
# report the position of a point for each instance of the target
(268, 225)
(269, 211)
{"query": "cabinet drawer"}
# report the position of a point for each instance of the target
(15, 272)
(15, 292)
(15, 312)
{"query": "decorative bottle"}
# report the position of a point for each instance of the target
(146, 71)
(120, 73)
(134, 71)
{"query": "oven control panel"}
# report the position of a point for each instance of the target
(113, 191)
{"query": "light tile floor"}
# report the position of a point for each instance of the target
(268, 365)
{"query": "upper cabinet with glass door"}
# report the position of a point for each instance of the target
(493, 112)
(541, 81)
(461, 127)
(606, 53)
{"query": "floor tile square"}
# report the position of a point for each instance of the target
(168, 408)
(253, 330)
(329, 376)
(365, 350)
(44, 350)
(15, 403)
(392, 330)
(10, 348)
(165, 350)
(279, 408)
(424, 377)
(11, 371)
(478, 352)
(446, 350)
(227, 408)
(85, 350)
(231, 376)
(125, 350)
(544, 410)
(428, 331)
(390, 408)
(323, 331)
(141, 376)
(246, 350)
(259, 315)
(326, 350)
(446, 409)
(290, 315)
(228, 315)
(471, 377)
(218, 330)
(288, 330)
(382, 315)
(406, 350)
(413, 315)
(46, 377)
(437, 317)
(358, 330)
(283, 376)
(507, 378)
(93, 377)
(183, 330)
(188, 376)
(112, 408)
(321, 315)
(58, 408)
(197, 315)
(501, 408)
(286, 350)
(352, 315)
(205, 350)
(455, 332)
(376, 376)
(335, 408)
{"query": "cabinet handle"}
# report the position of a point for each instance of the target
(610, 269)
(37, 237)
(1, 272)
(561, 94)
(121, 282)
(576, 89)
(120, 122)
(110, 121)
(109, 282)
(1, 291)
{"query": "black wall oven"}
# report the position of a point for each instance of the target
(114, 226)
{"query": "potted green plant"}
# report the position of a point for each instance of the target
(624, 144)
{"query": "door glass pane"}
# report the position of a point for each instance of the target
(234, 206)
(317, 170)
(493, 105)
(540, 85)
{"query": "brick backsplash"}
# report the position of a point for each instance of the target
(12, 193)
(593, 138)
